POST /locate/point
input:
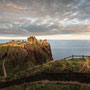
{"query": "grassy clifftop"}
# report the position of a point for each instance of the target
(78, 65)
(20, 56)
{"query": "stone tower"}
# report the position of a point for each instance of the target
(32, 40)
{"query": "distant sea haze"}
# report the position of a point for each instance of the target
(64, 48)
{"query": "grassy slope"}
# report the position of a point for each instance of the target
(75, 65)
(67, 66)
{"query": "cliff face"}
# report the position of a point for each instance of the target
(25, 55)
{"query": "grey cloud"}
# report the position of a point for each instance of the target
(16, 12)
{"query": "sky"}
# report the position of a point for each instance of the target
(50, 19)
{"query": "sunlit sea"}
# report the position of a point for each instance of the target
(64, 48)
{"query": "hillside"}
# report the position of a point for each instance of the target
(21, 55)
(61, 70)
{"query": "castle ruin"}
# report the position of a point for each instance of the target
(32, 40)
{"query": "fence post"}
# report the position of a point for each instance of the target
(72, 56)
(82, 56)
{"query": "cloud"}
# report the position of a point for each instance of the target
(44, 17)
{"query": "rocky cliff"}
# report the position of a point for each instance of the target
(22, 55)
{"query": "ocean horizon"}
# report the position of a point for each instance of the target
(63, 48)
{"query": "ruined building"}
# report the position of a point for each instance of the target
(32, 40)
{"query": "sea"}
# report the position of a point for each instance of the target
(64, 48)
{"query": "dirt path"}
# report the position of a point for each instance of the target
(4, 69)
(63, 82)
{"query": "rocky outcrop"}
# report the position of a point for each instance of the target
(20, 55)
(36, 52)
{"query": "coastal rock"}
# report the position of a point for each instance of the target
(34, 51)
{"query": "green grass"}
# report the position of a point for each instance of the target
(63, 66)
(74, 65)
(48, 86)
(67, 66)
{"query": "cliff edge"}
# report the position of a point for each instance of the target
(20, 55)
